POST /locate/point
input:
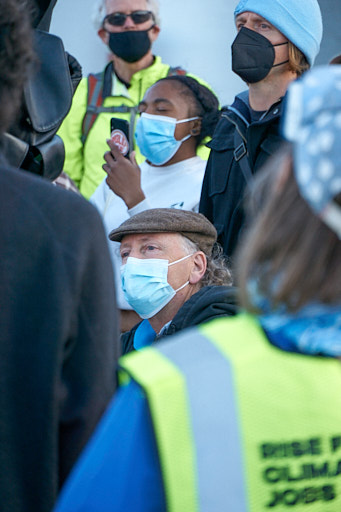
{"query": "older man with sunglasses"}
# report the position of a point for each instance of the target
(128, 28)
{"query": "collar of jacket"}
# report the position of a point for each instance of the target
(108, 73)
(207, 303)
(241, 107)
(238, 114)
(109, 70)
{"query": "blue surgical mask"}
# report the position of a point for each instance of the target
(155, 137)
(145, 285)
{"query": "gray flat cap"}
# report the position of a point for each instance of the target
(193, 226)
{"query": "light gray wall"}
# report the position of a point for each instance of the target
(331, 42)
(195, 34)
(71, 20)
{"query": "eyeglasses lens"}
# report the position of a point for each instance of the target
(118, 19)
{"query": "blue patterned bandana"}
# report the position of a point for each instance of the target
(315, 329)
(312, 122)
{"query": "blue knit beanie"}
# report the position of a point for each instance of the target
(300, 21)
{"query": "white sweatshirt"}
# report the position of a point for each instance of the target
(172, 186)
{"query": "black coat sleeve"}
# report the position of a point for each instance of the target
(91, 349)
(58, 335)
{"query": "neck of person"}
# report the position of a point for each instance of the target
(170, 310)
(125, 70)
(263, 94)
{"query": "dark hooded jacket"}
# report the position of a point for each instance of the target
(58, 336)
(208, 303)
(224, 182)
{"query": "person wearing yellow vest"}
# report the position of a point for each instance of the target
(129, 29)
(243, 414)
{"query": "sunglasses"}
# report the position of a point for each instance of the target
(118, 19)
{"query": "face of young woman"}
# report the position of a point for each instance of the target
(165, 99)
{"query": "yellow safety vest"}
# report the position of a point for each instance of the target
(241, 425)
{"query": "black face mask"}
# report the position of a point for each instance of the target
(130, 45)
(253, 56)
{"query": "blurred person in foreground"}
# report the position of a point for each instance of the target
(244, 413)
(173, 274)
(30, 142)
(176, 114)
(277, 41)
(58, 325)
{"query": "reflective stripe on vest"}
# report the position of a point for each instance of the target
(213, 420)
(263, 426)
(175, 445)
(177, 422)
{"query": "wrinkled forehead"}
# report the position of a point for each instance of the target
(165, 239)
(126, 6)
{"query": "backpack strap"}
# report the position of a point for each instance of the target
(240, 152)
(95, 101)
(95, 107)
(95, 88)
(240, 156)
(177, 70)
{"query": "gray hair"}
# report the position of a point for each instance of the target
(99, 12)
(217, 271)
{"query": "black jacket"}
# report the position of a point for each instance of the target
(57, 336)
(224, 182)
(208, 303)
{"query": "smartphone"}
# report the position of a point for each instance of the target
(119, 130)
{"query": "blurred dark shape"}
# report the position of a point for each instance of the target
(42, 18)
(31, 143)
(336, 59)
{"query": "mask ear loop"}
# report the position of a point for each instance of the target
(181, 259)
(185, 121)
(178, 261)
(280, 63)
(181, 287)
(285, 61)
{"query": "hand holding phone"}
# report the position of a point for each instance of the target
(119, 133)
(124, 175)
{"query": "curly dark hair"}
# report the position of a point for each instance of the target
(16, 55)
(205, 104)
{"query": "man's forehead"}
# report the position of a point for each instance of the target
(148, 237)
(125, 5)
(253, 15)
